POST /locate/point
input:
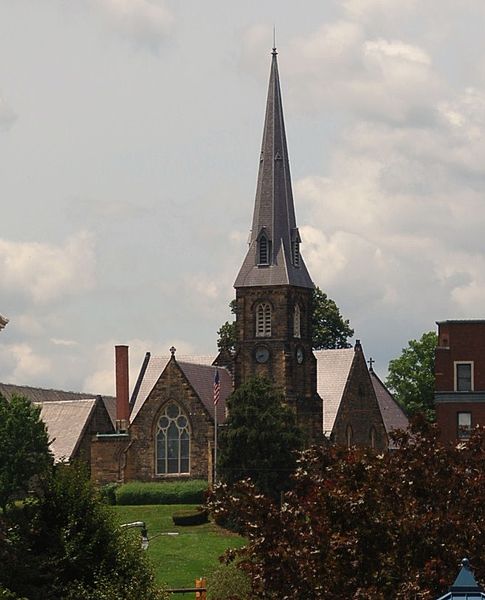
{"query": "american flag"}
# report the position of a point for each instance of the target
(217, 387)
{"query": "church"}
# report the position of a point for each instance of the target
(165, 428)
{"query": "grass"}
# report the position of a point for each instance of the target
(179, 560)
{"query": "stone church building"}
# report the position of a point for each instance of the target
(166, 428)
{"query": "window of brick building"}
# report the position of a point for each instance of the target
(263, 320)
(463, 376)
(173, 441)
(464, 421)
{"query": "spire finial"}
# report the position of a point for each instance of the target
(274, 53)
(172, 351)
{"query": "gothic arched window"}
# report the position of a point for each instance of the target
(173, 441)
(297, 322)
(263, 320)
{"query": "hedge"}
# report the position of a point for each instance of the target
(190, 517)
(164, 492)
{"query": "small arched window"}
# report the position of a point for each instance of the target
(297, 322)
(349, 436)
(263, 320)
(372, 435)
(173, 441)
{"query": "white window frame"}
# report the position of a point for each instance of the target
(472, 375)
(164, 430)
(463, 432)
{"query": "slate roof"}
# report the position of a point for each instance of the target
(40, 395)
(274, 210)
(66, 422)
(200, 374)
(333, 369)
(392, 414)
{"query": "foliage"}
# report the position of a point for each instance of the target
(411, 376)
(107, 493)
(260, 439)
(226, 336)
(163, 492)
(228, 582)
(194, 516)
(177, 560)
(362, 525)
(64, 544)
(329, 329)
(24, 447)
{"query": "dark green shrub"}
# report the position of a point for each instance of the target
(164, 492)
(196, 516)
(107, 493)
(228, 582)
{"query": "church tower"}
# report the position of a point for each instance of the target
(273, 287)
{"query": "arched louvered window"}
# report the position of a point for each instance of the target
(297, 322)
(263, 250)
(295, 250)
(349, 436)
(173, 441)
(263, 320)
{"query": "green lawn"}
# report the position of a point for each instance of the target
(178, 560)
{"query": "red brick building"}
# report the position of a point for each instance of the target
(460, 378)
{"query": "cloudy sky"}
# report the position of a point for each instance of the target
(129, 145)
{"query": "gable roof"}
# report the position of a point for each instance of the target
(200, 373)
(40, 395)
(333, 369)
(66, 421)
(392, 414)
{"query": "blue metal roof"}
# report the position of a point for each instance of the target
(465, 586)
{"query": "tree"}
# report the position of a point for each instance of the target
(260, 439)
(329, 328)
(63, 544)
(24, 447)
(411, 376)
(362, 525)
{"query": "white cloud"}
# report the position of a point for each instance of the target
(61, 342)
(102, 378)
(7, 115)
(46, 272)
(147, 22)
(22, 364)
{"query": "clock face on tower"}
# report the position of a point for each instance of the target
(299, 355)
(262, 354)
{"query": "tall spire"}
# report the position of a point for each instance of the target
(273, 257)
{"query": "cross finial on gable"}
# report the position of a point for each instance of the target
(172, 351)
(371, 362)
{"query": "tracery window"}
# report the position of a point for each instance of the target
(297, 322)
(173, 441)
(263, 320)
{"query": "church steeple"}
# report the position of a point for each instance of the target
(273, 256)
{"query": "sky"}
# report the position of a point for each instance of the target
(130, 133)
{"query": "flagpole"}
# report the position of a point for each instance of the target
(215, 444)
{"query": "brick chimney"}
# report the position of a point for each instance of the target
(122, 386)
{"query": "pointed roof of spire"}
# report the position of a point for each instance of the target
(274, 211)
(465, 585)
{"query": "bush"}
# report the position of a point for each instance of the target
(166, 492)
(107, 493)
(228, 582)
(190, 517)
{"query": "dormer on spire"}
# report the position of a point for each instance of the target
(274, 211)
